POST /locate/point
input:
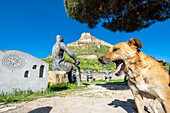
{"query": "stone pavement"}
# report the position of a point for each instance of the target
(101, 98)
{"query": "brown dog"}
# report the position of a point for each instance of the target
(147, 77)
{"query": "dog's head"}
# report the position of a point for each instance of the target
(121, 54)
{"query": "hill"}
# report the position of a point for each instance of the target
(89, 46)
(87, 38)
(88, 49)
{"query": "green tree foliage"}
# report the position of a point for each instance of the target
(118, 15)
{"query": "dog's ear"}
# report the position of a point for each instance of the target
(135, 42)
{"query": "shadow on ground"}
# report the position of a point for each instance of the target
(128, 105)
(115, 85)
(46, 109)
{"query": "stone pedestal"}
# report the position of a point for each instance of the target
(56, 77)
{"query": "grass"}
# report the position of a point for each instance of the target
(90, 49)
(52, 90)
(93, 64)
(85, 63)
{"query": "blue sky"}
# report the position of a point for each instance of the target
(32, 25)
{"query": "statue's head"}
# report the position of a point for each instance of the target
(59, 38)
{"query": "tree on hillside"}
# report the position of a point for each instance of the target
(118, 15)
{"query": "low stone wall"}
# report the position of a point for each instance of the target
(88, 56)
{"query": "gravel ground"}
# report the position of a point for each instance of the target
(101, 98)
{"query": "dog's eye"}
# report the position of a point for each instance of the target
(115, 49)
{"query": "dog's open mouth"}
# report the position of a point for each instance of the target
(120, 65)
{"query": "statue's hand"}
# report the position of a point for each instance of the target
(77, 62)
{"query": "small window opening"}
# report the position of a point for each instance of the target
(41, 74)
(26, 74)
(34, 67)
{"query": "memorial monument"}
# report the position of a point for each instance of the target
(21, 71)
(58, 60)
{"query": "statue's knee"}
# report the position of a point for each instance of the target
(77, 68)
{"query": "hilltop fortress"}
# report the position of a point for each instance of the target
(87, 38)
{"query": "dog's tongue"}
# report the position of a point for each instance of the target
(118, 68)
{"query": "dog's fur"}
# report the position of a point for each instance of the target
(146, 77)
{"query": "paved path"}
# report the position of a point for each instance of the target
(101, 98)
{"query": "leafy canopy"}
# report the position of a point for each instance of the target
(118, 15)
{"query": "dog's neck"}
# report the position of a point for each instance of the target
(135, 64)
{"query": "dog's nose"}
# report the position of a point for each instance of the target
(100, 59)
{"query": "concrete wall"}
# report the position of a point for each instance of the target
(19, 70)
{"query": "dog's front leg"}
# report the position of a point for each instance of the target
(139, 102)
(137, 97)
(153, 106)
